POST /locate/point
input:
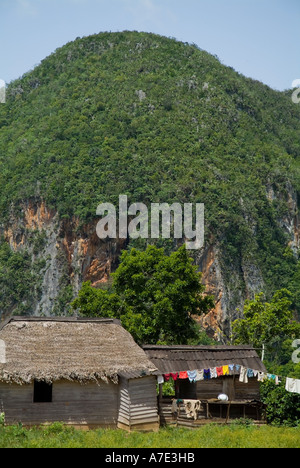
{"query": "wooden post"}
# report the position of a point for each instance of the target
(160, 390)
(160, 393)
(232, 394)
(228, 412)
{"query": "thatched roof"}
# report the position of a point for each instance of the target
(183, 358)
(68, 348)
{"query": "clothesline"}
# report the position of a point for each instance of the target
(292, 385)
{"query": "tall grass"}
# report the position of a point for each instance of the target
(210, 436)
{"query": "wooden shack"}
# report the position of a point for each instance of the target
(81, 372)
(243, 397)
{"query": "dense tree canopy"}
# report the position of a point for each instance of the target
(160, 121)
(270, 325)
(154, 295)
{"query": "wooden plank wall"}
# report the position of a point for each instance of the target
(74, 404)
(143, 399)
(124, 405)
(249, 391)
(209, 389)
(138, 408)
(165, 412)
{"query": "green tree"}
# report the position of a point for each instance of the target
(94, 302)
(154, 295)
(20, 280)
(267, 323)
(271, 324)
(282, 407)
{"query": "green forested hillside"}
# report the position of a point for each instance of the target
(161, 121)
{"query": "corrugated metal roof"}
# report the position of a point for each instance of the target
(182, 358)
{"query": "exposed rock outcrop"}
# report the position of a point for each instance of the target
(74, 254)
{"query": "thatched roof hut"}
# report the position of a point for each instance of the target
(69, 348)
(83, 372)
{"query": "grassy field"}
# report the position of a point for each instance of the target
(231, 436)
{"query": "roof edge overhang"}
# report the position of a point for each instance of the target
(59, 319)
(199, 348)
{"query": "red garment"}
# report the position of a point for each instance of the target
(219, 371)
(174, 376)
(183, 375)
(167, 377)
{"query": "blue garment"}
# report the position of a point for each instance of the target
(250, 373)
(192, 375)
(206, 374)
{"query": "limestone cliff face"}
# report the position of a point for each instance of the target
(73, 254)
(290, 222)
(230, 295)
(232, 285)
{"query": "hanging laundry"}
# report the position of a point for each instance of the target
(225, 370)
(250, 373)
(160, 379)
(175, 376)
(206, 374)
(237, 368)
(219, 371)
(192, 376)
(244, 375)
(261, 377)
(200, 375)
(191, 408)
(167, 377)
(292, 385)
(213, 373)
(231, 369)
(183, 375)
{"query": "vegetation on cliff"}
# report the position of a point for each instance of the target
(161, 121)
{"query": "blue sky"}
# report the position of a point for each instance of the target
(259, 38)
